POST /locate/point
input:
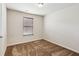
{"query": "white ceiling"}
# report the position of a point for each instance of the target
(34, 9)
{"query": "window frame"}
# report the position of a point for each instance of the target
(27, 26)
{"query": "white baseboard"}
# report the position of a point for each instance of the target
(63, 46)
(22, 42)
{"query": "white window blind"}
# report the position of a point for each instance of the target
(27, 26)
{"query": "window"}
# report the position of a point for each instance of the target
(27, 26)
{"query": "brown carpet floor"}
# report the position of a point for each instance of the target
(38, 48)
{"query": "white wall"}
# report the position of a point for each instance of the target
(62, 27)
(0, 19)
(3, 33)
(15, 27)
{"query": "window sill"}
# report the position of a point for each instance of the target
(27, 34)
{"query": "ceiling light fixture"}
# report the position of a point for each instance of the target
(40, 4)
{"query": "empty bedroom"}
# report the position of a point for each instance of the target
(39, 29)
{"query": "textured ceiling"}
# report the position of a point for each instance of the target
(34, 9)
